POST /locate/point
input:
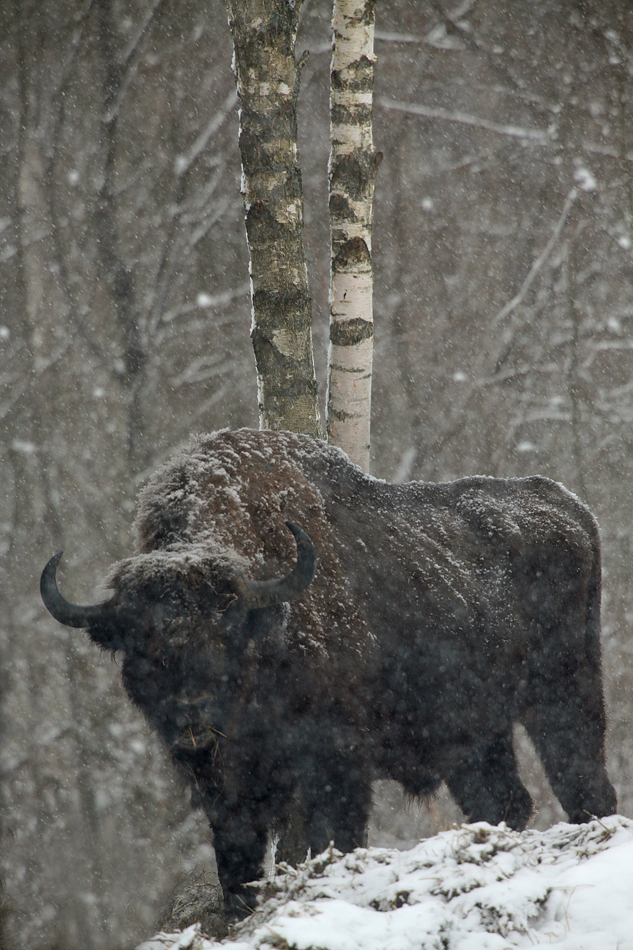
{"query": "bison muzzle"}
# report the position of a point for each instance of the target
(438, 616)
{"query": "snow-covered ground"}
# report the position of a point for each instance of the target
(477, 887)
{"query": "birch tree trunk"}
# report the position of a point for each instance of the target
(267, 75)
(352, 176)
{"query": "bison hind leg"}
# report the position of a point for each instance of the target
(569, 738)
(487, 787)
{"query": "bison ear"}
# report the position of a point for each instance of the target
(259, 594)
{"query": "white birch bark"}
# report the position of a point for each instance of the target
(352, 176)
(267, 76)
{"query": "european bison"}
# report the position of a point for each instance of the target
(439, 615)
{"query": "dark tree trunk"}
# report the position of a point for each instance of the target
(267, 76)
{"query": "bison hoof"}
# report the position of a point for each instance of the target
(239, 906)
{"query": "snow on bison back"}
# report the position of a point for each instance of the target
(438, 615)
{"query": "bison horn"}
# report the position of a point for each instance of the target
(258, 594)
(71, 614)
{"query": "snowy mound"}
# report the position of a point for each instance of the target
(475, 888)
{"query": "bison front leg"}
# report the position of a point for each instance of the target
(337, 795)
(239, 839)
(487, 786)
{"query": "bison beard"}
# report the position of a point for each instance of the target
(440, 614)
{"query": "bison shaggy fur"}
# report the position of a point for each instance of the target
(440, 614)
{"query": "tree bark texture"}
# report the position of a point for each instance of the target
(352, 176)
(267, 77)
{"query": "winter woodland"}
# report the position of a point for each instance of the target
(503, 306)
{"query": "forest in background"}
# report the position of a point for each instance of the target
(503, 298)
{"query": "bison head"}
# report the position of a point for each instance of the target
(183, 619)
